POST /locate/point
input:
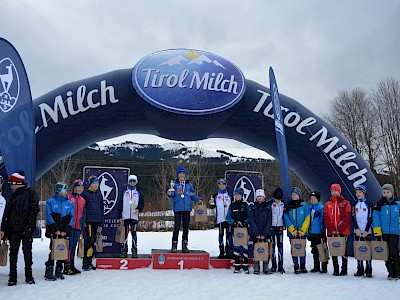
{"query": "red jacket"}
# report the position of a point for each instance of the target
(337, 215)
(79, 210)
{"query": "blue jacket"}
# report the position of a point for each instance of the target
(94, 206)
(260, 219)
(317, 219)
(179, 203)
(59, 215)
(297, 218)
(386, 217)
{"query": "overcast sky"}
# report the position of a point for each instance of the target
(315, 47)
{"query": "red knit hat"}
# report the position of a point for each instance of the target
(336, 187)
(17, 178)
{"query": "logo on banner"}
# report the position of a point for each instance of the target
(188, 81)
(247, 186)
(9, 85)
(109, 190)
(161, 259)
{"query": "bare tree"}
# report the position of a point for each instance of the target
(351, 113)
(387, 100)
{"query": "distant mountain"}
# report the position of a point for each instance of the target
(168, 151)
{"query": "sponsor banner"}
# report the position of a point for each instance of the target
(208, 83)
(112, 182)
(248, 181)
(163, 259)
(280, 137)
(17, 133)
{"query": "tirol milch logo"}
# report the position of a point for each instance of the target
(109, 190)
(188, 81)
(9, 85)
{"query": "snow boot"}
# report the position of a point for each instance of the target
(303, 269)
(245, 265)
(280, 266)
(174, 247)
(74, 269)
(296, 270)
(59, 272)
(29, 277)
(49, 274)
(324, 267)
(266, 269)
(185, 248)
(273, 267)
(87, 264)
(124, 252)
(360, 269)
(316, 262)
(221, 252)
(368, 271)
(343, 272)
(256, 267)
(335, 266)
(68, 269)
(134, 252)
(12, 280)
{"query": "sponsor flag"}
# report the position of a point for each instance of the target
(17, 126)
(280, 136)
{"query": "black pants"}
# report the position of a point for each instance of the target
(15, 241)
(130, 226)
(50, 261)
(179, 216)
(90, 237)
(393, 262)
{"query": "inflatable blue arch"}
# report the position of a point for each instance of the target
(188, 95)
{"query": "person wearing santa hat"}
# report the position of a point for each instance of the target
(337, 220)
(18, 224)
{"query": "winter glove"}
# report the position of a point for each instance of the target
(292, 230)
(377, 231)
(301, 232)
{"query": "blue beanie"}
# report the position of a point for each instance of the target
(296, 191)
(93, 180)
(180, 169)
(362, 188)
(239, 191)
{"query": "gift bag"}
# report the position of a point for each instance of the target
(379, 250)
(59, 248)
(323, 251)
(81, 247)
(362, 250)
(337, 245)
(3, 253)
(240, 236)
(120, 234)
(298, 247)
(99, 243)
(261, 251)
(200, 212)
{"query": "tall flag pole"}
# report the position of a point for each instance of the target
(280, 136)
(17, 125)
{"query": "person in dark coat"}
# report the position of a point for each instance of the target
(18, 224)
(260, 225)
(94, 220)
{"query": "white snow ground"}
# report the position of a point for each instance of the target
(195, 284)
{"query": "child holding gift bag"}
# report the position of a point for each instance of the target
(59, 222)
(362, 221)
(238, 216)
(297, 220)
(385, 219)
(260, 226)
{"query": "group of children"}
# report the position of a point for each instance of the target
(267, 220)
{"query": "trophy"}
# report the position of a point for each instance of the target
(211, 202)
(171, 184)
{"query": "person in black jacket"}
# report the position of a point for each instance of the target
(260, 226)
(19, 222)
(94, 220)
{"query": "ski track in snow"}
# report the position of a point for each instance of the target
(195, 284)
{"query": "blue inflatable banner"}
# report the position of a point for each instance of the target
(17, 131)
(280, 136)
(112, 182)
